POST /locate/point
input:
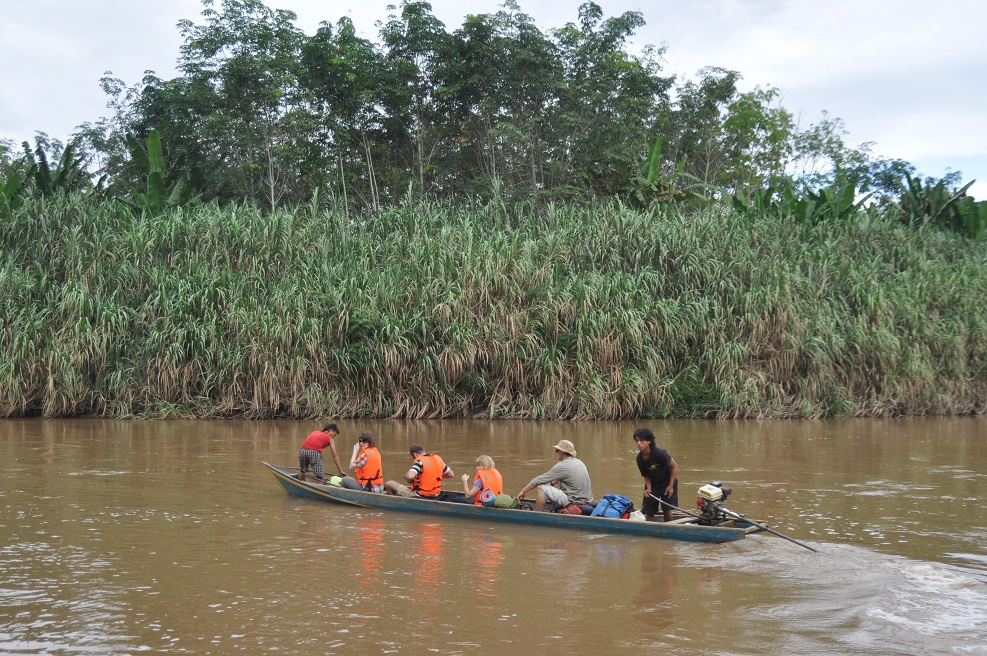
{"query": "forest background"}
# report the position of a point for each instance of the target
(496, 221)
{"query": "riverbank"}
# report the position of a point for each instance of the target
(486, 311)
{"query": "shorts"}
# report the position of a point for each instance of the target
(554, 495)
(312, 457)
(403, 490)
(650, 505)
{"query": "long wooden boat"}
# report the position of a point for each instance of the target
(686, 528)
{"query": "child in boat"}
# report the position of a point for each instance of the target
(487, 484)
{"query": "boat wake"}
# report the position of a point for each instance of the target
(871, 602)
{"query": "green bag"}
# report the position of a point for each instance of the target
(505, 501)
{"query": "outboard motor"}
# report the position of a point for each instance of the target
(712, 499)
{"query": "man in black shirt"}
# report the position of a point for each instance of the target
(661, 475)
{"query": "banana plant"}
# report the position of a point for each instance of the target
(10, 192)
(838, 202)
(68, 175)
(649, 185)
(971, 218)
(937, 204)
(158, 197)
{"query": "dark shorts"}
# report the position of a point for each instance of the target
(650, 505)
(454, 497)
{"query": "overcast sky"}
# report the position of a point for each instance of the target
(908, 75)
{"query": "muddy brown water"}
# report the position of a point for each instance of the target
(127, 537)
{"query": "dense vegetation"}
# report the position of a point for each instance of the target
(488, 310)
(492, 222)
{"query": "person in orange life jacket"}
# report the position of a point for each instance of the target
(661, 475)
(366, 463)
(425, 475)
(487, 484)
(311, 452)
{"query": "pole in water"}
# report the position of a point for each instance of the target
(769, 530)
(740, 517)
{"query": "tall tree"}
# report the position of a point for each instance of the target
(610, 101)
(502, 77)
(692, 126)
(758, 140)
(247, 56)
(822, 157)
(415, 42)
(346, 78)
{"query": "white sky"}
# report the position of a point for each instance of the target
(909, 75)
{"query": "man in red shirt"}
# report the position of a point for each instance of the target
(311, 452)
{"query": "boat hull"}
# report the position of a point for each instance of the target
(689, 532)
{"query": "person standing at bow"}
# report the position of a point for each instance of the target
(661, 476)
(425, 475)
(487, 484)
(367, 464)
(311, 452)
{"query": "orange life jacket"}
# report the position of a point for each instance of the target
(371, 472)
(429, 482)
(492, 481)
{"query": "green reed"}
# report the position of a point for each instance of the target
(484, 311)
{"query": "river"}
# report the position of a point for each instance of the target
(127, 537)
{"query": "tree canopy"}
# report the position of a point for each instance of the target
(497, 108)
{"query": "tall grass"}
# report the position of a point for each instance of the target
(489, 311)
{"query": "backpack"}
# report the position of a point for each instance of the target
(614, 506)
(505, 501)
(575, 509)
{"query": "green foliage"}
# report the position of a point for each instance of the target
(69, 174)
(939, 204)
(159, 196)
(495, 109)
(691, 396)
(492, 310)
(239, 113)
(971, 218)
(10, 192)
(837, 203)
(652, 185)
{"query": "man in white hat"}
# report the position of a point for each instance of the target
(566, 482)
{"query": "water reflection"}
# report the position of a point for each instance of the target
(427, 548)
(657, 598)
(372, 547)
(488, 555)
